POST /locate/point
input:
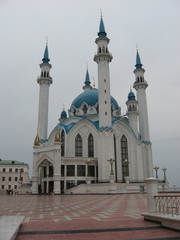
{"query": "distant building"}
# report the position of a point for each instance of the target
(94, 142)
(13, 174)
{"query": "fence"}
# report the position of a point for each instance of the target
(168, 204)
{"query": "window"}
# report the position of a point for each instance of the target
(90, 146)
(106, 113)
(105, 90)
(62, 143)
(10, 169)
(9, 186)
(9, 178)
(62, 170)
(3, 179)
(70, 184)
(105, 102)
(104, 80)
(51, 171)
(81, 171)
(91, 171)
(16, 169)
(4, 170)
(15, 186)
(78, 146)
(2, 186)
(16, 178)
(124, 156)
(70, 170)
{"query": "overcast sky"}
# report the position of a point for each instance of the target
(71, 27)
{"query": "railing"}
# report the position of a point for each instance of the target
(168, 204)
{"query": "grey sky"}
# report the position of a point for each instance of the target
(71, 27)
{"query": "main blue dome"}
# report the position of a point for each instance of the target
(91, 98)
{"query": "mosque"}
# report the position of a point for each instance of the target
(93, 143)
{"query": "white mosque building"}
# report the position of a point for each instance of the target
(92, 143)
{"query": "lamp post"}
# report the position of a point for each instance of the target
(156, 170)
(111, 177)
(125, 166)
(111, 161)
(88, 163)
(164, 171)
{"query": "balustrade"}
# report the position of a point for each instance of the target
(168, 204)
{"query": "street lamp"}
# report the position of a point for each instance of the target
(164, 171)
(88, 163)
(111, 161)
(156, 170)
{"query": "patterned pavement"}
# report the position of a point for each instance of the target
(83, 217)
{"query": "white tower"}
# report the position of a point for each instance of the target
(106, 140)
(103, 57)
(44, 82)
(140, 85)
(132, 112)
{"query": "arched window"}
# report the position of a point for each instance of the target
(124, 157)
(62, 143)
(78, 146)
(90, 146)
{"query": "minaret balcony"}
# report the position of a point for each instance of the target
(103, 56)
(44, 80)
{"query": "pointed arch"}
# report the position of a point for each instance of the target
(62, 142)
(90, 146)
(78, 146)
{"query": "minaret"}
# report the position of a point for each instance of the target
(106, 137)
(140, 85)
(44, 82)
(132, 112)
(103, 57)
(87, 83)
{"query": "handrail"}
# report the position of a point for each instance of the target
(168, 204)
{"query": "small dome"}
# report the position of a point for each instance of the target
(131, 96)
(63, 114)
(91, 98)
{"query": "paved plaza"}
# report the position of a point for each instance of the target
(83, 217)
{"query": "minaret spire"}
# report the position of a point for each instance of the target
(87, 83)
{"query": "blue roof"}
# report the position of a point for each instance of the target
(63, 114)
(138, 61)
(46, 55)
(131, 96)
(102, 32)
(91, 98)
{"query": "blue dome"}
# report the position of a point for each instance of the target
(63, 114)
(91, 98)
(131, 96)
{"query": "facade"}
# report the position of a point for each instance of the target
(13, 174)
(93, 143)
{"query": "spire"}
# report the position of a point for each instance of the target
(138, 61)
(102, 32)
(46, 55)
(87, 83)
(87, 79)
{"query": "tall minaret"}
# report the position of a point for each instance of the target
(140, 85)
(44, 82)
(103, 57)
